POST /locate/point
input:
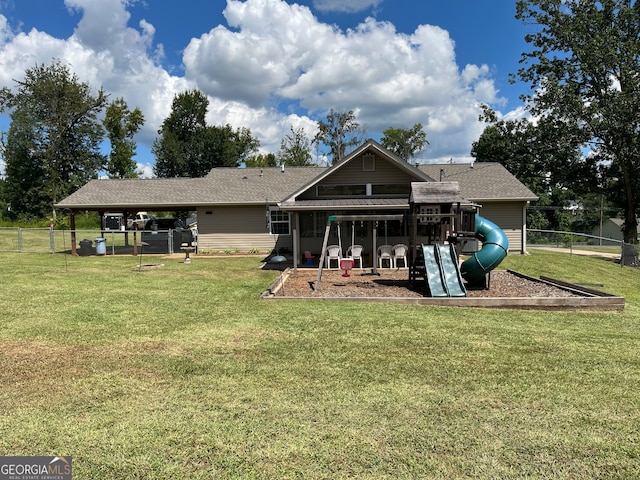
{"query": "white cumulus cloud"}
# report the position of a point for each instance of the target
(273, 65)
(272, 51)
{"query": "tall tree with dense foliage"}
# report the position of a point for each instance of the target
(121, 125)
(179, 150)
(188, 147)
(405, 142)
(585, 69)
(340, 133)
(544, 158)
(295, 149)
(52, 147)
(245, 143)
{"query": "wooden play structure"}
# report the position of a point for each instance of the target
(440, 223)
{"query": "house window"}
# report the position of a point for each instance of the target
(341, 190)
(279, 223)
(391, 189)
(314, 225)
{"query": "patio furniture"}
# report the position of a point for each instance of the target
(384, 253)
(400, 253)
(355, 252)
(334, 252)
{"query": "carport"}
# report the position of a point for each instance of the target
(128, 196)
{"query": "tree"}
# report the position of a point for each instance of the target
(543, 157)
(585, 68)
(4, 205)
(405, 142)
(179, 150)
(295, 149)
(188, 147)
(121, 125)
(260, 160)
(339, 133)
(245, 144)
(52, 147)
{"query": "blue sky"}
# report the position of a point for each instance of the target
(270, 65)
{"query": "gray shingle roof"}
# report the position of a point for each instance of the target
(481, 181)
(242, 186)
(223, 186)
(255, 185)
(137, 193)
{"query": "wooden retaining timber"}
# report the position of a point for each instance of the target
(588, 299)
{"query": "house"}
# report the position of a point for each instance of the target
(286, 208)
(612, 228)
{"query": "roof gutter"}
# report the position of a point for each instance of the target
(330, 208)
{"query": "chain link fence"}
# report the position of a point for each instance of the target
(626, 253)
(93, 242)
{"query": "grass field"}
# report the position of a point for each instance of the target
(182, 372)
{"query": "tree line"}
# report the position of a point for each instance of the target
(581, 143)
(53, 144)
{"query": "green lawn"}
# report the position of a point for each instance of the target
(182, 372)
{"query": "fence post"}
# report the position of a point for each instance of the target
(570, 244)
(52, 241)
(170, 240)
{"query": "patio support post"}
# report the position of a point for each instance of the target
(296, 242)
(375, 248)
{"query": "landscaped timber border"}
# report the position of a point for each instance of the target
(588, 300)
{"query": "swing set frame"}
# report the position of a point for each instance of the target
(353, 218)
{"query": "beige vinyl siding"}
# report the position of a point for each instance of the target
(353, 174)
(610, 229)
(241, 228)
(509, 217)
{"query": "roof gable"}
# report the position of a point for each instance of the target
(347, 167)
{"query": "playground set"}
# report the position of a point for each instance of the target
(440, 223)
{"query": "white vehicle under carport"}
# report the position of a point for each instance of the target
(140, 221)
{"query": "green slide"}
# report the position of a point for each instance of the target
(495, 246)
(442, 273)
(451, 271)
(433, 275)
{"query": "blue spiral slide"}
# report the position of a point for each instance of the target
(494, 248)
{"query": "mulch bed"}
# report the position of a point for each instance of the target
(395, 283)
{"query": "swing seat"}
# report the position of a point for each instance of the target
(333, 253)
(309, 259)
(355, 252)
(384, 253)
